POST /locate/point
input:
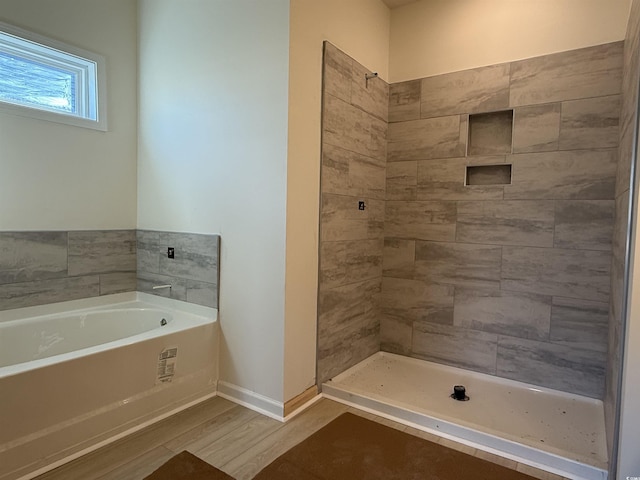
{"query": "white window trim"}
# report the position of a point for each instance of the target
(101, 95)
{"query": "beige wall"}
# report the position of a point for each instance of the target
(360, 28)
(62, 177)
(212, 158)
(440, 36)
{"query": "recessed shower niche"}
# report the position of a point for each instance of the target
(490, 133)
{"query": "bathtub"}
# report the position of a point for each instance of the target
(77, 375)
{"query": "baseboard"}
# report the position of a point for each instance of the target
(300, 401)
(252, 400)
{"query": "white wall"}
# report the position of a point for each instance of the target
(361, 29)
(212, 158)
(59, 177)
(431, 37)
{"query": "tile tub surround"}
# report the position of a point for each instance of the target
(354, 149)
(510, 280)
(193, 273)
(42, 267)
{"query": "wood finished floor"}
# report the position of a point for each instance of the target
(233, 438)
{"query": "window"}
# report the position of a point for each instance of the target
(49, 80)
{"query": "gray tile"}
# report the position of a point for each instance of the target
(348, 173)
(570, 175)
(402, 180)
(396, 334)
(147, 280)
(590, 123)
(551, 271)
(117, 282)
(417, 300)
(441, 137)
(30, 256)
(587, 72)
(421, 220)
(481, 89)
(584, 224)
(490, 133)
(521, 315)
(342, 220)
(580, 323)
(458, 264)
(196, 255)
(625, 154)
(455, 346)
(517, 222)
(404, 101)
(561, 367)
(202, 293)
(348, 326)
(536, 128)
(337, 72)
(444, 179)
(102, 251)
(398, 257)
(371, 95)
(347, 262)
(351, 128)
(27, 294)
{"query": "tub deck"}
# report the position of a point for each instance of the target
(556, 431)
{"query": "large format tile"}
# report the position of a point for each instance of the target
(584, 224)
(351, 128)
(517, 222)
(551, 271)
(483, 89)
(370, 95)
(421, 220)
(102, 251)
(444, 179)
(396, 334)
(348, 173)
(455, 346)
(26, 294)
(147, 280)
(398, 258)
(404, 101)
(584, 73)
(576, 174)
(402, 180)
(347, 262)
(117, 282)
(441, 137)
(579, 323)
(458, 264)
(342, 220)
(517, 314)
(202, 293)
(337, 72)
(562, 367)
(417, 300)
(590, 123)
(536, 128)
(32, 256)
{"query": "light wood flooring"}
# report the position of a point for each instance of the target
(233, 438)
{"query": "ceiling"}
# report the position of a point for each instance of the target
(397, 3)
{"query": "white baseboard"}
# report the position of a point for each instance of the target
(252, 400)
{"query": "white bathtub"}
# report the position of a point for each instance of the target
(76, 375)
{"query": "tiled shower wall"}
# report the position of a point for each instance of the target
(510, 280)
(42, 267)
(351, 240)
(630, 80)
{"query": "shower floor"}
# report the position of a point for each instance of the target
(548, 429)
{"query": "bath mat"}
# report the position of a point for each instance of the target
(186, 466)
(354, 448)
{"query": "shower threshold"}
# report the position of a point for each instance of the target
(551, 430)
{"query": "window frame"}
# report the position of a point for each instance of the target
(94, 82)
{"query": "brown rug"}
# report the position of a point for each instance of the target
(186, 466)
(354, 448)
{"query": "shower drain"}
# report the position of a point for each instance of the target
(459, 393)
